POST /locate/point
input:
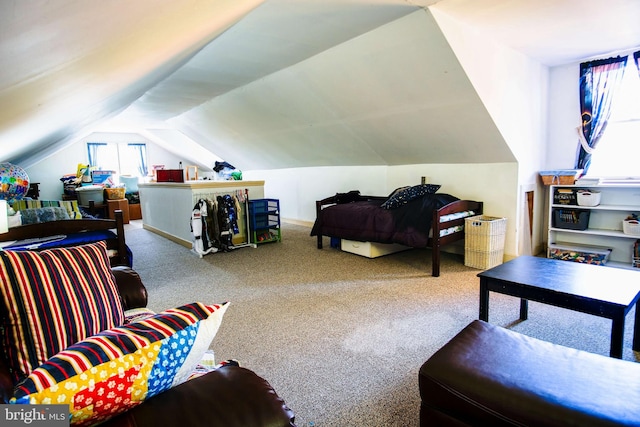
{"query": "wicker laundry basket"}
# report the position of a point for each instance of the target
(484, 241)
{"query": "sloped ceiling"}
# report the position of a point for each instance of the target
(68, 65)
(276, 83)
(387, 97)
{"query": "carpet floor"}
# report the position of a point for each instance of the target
(341, 337)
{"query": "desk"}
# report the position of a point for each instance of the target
(601, 291)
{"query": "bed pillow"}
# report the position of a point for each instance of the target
(130, 183)
(37, 215)
(397, 190)
(70, 205)
(115, 370)
(404, 195)
(52, 299)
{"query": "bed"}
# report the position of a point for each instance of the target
(423, 219)
(71, 232)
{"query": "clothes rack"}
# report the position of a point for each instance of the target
(216, 218)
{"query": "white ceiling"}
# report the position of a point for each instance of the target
(554, 32)
(276, 83)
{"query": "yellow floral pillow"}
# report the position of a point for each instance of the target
(109, 373)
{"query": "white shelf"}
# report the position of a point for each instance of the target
(597, 232)
(605, 221)
(618, 264)
(628, 208)
(618, 184)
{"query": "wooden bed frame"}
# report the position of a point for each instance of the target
(71, 226)
(436, 242)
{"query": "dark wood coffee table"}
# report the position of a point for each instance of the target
(602, 291)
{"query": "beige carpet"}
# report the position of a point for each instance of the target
(341, 337)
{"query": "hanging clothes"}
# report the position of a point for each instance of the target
(202, 224)
(227, 220)
(227, 214)
(214, 221)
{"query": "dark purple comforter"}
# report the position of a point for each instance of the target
(366, 221)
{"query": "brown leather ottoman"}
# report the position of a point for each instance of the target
(488, 375)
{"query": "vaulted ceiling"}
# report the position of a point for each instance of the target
(277, 83)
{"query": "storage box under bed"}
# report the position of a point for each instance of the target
(371, 249)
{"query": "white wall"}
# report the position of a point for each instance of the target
(298, 189)
(495, 184)
(394, 95)
(536, 109)
(564, 117)
(514, 89)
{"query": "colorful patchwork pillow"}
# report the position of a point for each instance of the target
(52, 299)
(115, 370)
(404, 195)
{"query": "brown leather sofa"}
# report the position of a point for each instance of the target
(229, 396)
(490, 376)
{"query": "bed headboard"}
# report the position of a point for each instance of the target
(72, 226)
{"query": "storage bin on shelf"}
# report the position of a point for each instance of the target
(631, 227)
(114, 193)
(484, 241)
(588, 198)
(571, 219)
(89, 193)
(170, 175)
(560, 176)
(586, 254)
(565, 196)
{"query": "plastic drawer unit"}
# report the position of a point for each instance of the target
(264, 217)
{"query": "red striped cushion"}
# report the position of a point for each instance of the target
(53, 299)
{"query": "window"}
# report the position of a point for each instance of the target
(618, 151)
(124, 158)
